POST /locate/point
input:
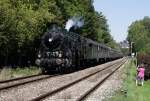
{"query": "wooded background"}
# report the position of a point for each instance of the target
(139, 35)
(23, 22)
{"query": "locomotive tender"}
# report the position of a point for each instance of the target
(63, 50)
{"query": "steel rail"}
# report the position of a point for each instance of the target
(43, 96)
(19, 78)
(85, 95)
(26, 82)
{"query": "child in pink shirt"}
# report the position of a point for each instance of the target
(140, 76)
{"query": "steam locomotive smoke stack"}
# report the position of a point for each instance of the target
(74, 22)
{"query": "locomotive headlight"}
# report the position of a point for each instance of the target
(50, 39)
(60, 54)
(39, 55)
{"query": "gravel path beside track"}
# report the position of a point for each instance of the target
(74, 92)
(109, 87)
(30, 91)
(22, 80)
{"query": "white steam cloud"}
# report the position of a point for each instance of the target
(74, 22)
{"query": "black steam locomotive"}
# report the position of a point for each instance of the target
(63, 50)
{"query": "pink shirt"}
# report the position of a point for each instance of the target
(141, 72)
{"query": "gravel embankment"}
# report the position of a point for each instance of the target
(22, 80)
(29, 91)
(79, 89)
(109, 87)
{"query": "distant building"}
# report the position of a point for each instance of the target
(124, 44)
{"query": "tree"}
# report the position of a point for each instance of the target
(23, 22)
(139, 33)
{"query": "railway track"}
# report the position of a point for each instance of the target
(19, 78)
(85, 95)
(6, 84)
(66, 86)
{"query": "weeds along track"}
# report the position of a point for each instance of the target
(6, 84)
(69, 85)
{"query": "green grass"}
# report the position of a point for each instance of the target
(133, 92)
(8, 73)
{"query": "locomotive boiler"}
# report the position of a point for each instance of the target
(62, 50)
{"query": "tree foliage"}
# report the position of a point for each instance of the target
(23, 22)
(139, 34)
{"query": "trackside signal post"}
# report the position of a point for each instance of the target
(132, 54)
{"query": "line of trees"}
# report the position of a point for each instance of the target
(139, 35)
(23, 22)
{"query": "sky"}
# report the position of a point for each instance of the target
(121, 13)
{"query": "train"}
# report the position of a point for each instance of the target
(65, 50)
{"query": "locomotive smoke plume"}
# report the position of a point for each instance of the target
(74, 22)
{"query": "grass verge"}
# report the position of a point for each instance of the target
(9, 73)
(131, 92)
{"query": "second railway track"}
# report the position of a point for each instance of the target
(6, 84)
(60, 89)
(18, 78)
(51, 86)
(85, 95)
